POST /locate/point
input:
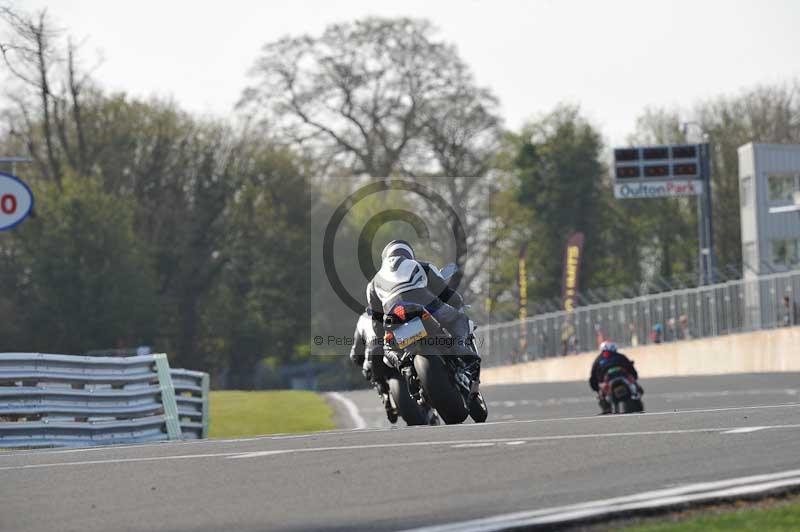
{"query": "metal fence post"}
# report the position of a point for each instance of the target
(206, 385)
(168, 397)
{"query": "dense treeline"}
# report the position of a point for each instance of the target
(192, 235)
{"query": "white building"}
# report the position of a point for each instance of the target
(769, 198)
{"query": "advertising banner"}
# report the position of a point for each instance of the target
(572, 263)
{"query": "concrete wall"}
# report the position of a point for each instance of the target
(774, 350)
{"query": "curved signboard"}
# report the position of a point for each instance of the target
(16, 201)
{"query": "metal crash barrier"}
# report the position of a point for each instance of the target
(752, 304)
(68, 401)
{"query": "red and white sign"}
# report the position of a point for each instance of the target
(657, 189)
(16, 201)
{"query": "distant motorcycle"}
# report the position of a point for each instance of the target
(443, 382)
(621, 393)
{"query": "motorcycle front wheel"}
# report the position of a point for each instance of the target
(478, 410)
(634, 406)
(440, 389)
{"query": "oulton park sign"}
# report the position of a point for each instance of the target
(657, 189)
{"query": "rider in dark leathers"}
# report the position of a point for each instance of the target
(365, 347)
(609, 358)
(404, 278)
(367, 353)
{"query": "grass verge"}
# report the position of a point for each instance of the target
(779, 518)
(236, 414)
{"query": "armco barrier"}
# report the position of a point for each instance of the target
(191, 396)
(65, 400)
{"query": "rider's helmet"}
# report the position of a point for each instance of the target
(397, 248)
(608, 348)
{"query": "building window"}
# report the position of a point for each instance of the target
(746, 191)
(786, 252)
(782, 187)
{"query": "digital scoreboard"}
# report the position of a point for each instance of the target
(663, 169)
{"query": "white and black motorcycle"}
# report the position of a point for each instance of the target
(435, 377)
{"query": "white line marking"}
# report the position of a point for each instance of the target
(341, 432)
(260, 453)
(606, 419)
(652, 499)
(667, 396)
(470, 445)
(492, 441)
(515, 442)
(352, 409)
(744, 430)
(118, 461)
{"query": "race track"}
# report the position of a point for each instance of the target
(545, 447)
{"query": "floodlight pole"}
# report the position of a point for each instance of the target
(705, 225)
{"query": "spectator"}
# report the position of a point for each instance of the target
(599, 334)
(789, 312)
(567, 338)
(683, 321)
(671, 334)
(657, 334)
(633, 337)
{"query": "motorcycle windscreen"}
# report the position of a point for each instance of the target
(409, 332)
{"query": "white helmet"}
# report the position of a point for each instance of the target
(608, 346)
(397, 248)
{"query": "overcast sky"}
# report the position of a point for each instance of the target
(613, 58)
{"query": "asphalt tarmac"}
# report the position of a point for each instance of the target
(543, 447)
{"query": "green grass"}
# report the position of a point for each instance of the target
(780, 518)
(236, 414)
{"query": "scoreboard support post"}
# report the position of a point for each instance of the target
(705, 222)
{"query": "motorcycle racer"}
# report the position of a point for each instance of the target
(404, 278)
(609, 358)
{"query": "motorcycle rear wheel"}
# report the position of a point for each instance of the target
(440, 389)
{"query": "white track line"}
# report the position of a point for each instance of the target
(118, 461)
(340, 432)
(705, 491)
(471, 443)
(744, 430)
(352, 409)
(491, 441)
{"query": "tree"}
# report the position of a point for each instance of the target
(183, 184)
(385, 97)
(75, 277)
(561, 186)
(364, 95)
(259, 308)
(47, 116)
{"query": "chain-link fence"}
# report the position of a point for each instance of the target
(736, 306)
